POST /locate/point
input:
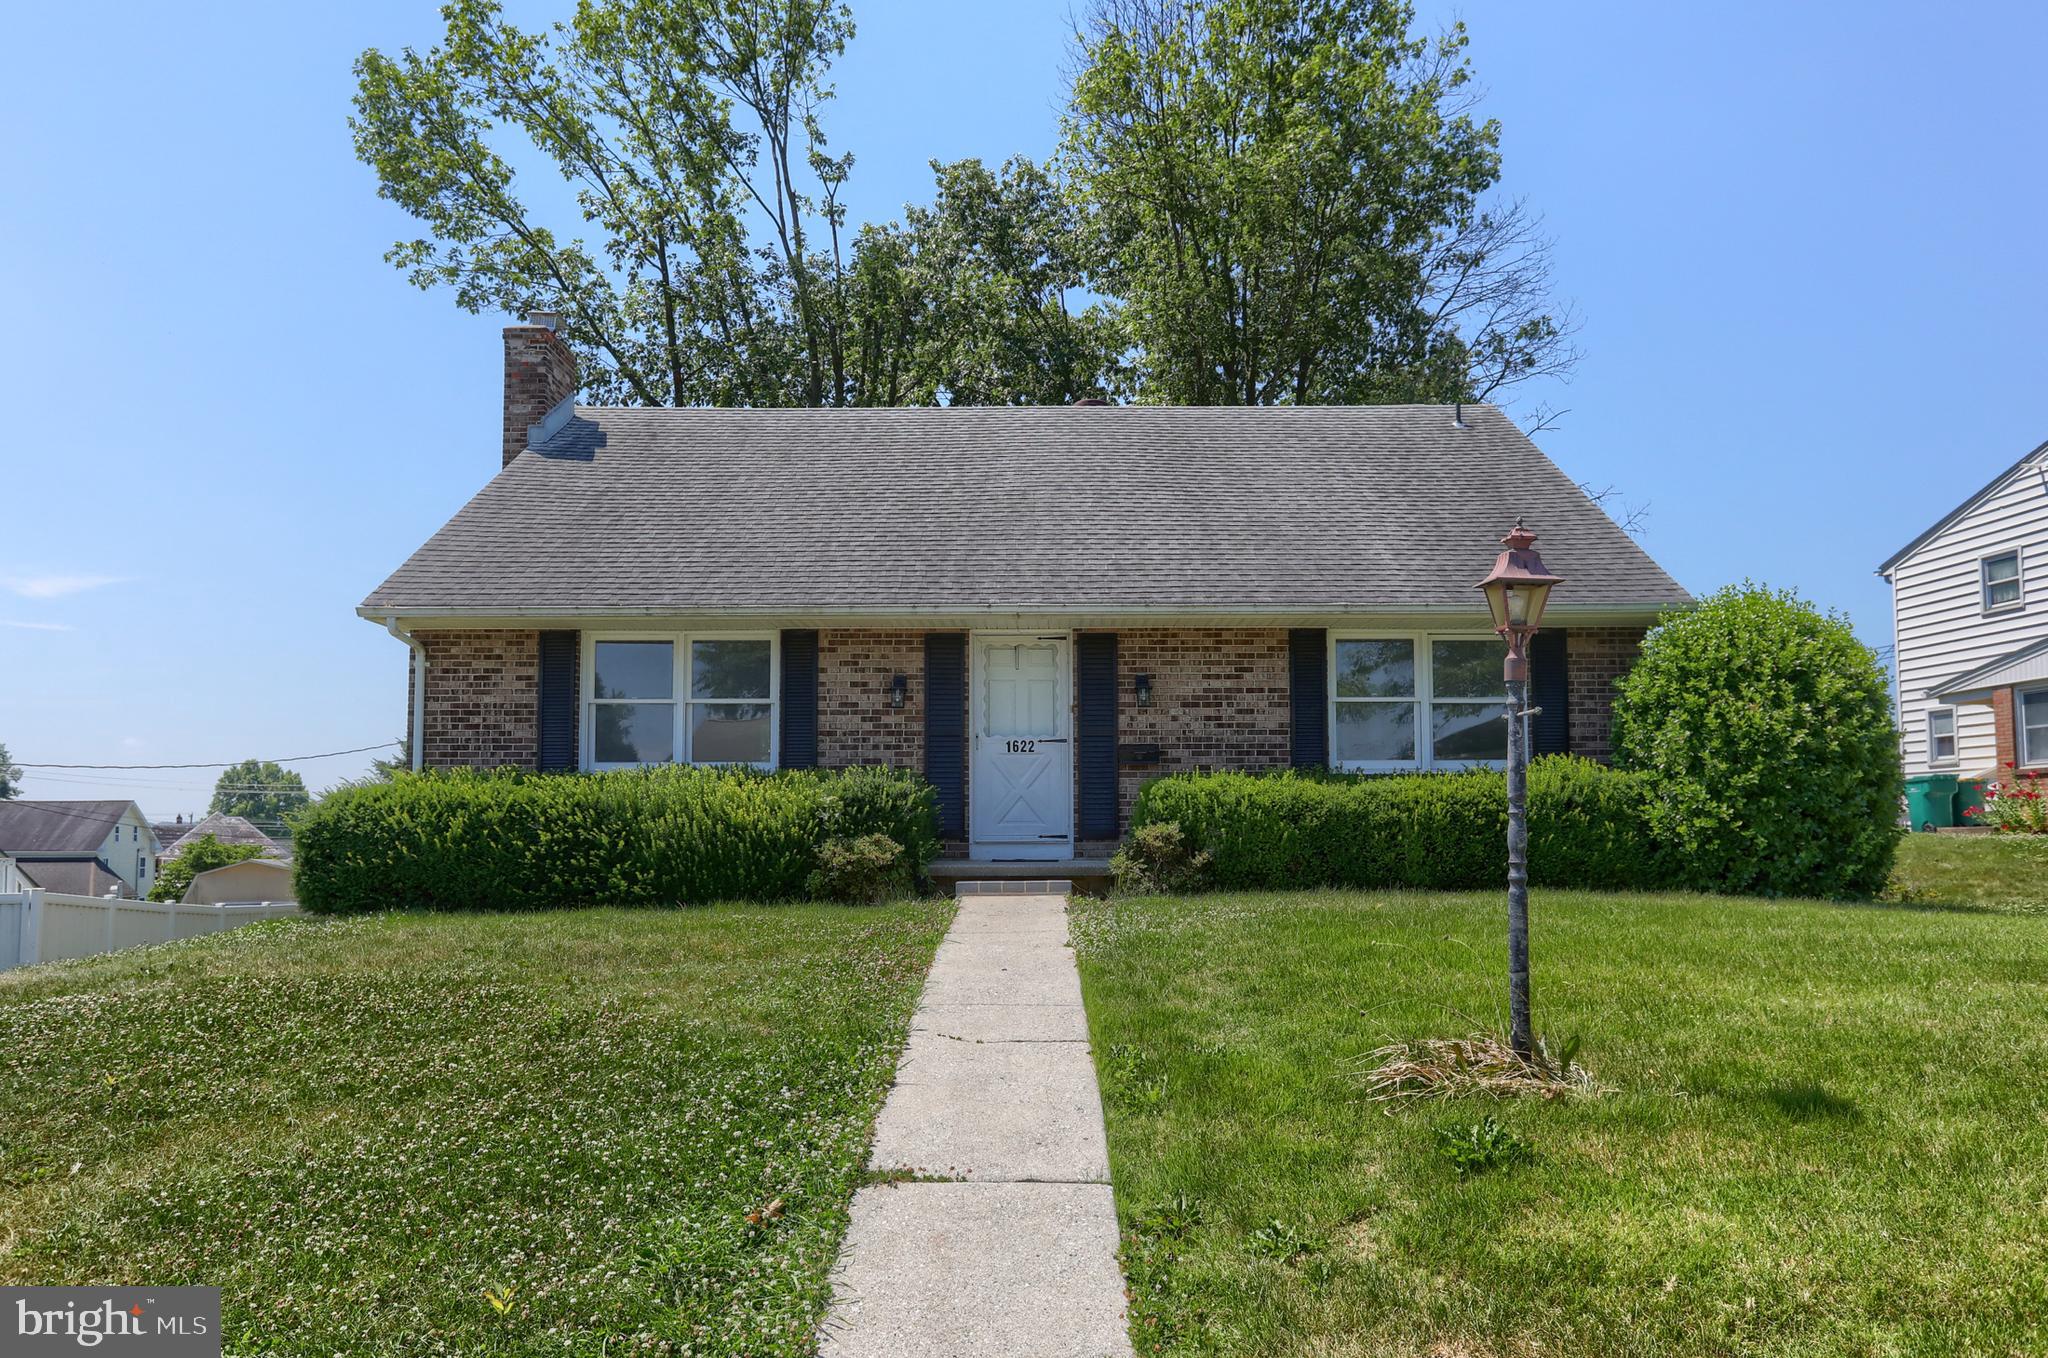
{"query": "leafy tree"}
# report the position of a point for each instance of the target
(10, 776)
(384, 770)
(1766, 727)
(258, 791)
(1288, 202)
(691, 136)
(201, 855)
(968, 299)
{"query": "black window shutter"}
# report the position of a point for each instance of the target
(1095, 732)
(945, 727)
(1308, 687)
(558, 661)
(1550, 731)
(799, 745)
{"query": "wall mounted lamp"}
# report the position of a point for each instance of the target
(1143, 686)
(899, 692)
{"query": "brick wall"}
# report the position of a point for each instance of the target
(856, 725)
(483, 698)
(1595, 657)
(540, 373)
(1219, 700)
(2006, 735)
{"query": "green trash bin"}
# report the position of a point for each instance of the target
(1931, 801)
(1970, 801)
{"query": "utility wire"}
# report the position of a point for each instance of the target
(223, 764)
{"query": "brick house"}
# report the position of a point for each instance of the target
(1970, 627)
(1037, 608)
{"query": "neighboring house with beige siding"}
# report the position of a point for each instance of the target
(1037, 608)
(1970, 622)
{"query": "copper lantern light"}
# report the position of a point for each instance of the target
(1516, 592)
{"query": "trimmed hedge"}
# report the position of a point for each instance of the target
(1588, 827)
(520, 841)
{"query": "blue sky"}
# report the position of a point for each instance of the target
(1804, 245)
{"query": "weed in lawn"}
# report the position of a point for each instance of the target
(1285, 1241)
(1476, 1147)
(1448, 1067)
(1129, 1078)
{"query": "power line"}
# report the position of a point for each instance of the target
(223, 764)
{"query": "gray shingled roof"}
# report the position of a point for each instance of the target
(1025, 509)
(74, 876)
(57, 826)
(226, 829)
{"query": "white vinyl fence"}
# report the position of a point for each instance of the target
(47, 926)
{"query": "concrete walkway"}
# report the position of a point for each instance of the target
(996, 1091)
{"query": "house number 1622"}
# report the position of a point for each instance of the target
(1022, 747)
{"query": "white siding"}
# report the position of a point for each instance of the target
(1941, 626)
(130, 849)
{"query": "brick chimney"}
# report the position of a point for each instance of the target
(540, 374)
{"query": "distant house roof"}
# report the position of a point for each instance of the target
(57, 827)
(73, 876)
(2027, 662)
(1147, 509)
(1945, 520)
(228, 830)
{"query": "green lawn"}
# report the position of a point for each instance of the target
(1826, 1132)
(2003, 872)
(510, 1134)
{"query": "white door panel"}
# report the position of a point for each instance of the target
(1022, 798)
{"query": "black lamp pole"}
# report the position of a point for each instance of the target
(1516, 592)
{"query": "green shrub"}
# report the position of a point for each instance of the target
(1587, 827)
(670, 836)
(1159, 860)
(201, 855)
(1765, 729)
(862, 870)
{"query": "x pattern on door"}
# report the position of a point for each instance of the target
(1023, 766)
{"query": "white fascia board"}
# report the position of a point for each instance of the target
(1001, 615)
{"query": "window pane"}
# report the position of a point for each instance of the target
(1375, 733)
(2002, 580)
(1466, 669)
(2034, 727)
(633, 733)
(635, 669)
(1468, 730)
(729, 733)
(1020, 689)
(1375, 669)
(728, 669)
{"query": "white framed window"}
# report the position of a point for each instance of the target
(1999, 577)
(2032, 714)
(1417, 701)
(1941, 735)
(680, 698)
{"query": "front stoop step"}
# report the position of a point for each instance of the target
(1016, 886)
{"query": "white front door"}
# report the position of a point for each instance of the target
(1022, 796)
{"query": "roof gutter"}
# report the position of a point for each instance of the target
(414, 737)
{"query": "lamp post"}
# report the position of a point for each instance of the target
(1516, 591)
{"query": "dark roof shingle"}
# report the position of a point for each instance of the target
(990, 509)
(57, 826)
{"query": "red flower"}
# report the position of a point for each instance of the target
(1969, 810)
